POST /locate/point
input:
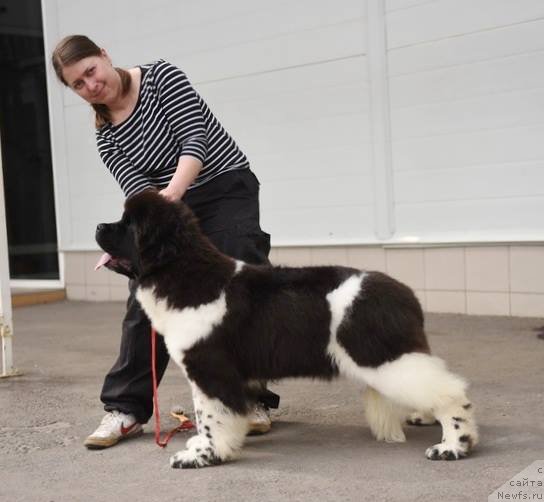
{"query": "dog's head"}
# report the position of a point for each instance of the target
(149, 235)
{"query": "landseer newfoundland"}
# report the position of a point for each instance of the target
(227, 323)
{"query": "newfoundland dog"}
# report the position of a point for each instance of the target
(227, 323)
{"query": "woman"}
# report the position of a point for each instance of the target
(154, 130)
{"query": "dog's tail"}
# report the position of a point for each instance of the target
(384, 417)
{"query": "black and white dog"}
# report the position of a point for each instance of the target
(228, 323)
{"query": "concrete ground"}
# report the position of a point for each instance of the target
(320, 447)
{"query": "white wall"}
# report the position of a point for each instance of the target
(466, 84)
(291, 81)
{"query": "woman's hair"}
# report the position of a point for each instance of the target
(74, 48)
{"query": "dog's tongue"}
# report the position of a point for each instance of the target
(105, 258)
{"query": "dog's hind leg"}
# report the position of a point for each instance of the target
(221, 433)
(460, 433)
(384, 416)
(422, 382)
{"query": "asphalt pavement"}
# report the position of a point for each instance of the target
(320, 448)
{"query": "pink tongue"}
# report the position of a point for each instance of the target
(105, 258)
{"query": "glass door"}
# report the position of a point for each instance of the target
(25, 144)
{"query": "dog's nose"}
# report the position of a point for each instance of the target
(100, 227)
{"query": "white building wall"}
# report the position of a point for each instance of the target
(466, 83)
(292, 80)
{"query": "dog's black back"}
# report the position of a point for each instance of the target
(278, 322)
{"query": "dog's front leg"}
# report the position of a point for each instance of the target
(221, 433)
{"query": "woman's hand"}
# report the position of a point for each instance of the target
(186, 172)
(170, 194)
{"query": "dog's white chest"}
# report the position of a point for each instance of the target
(181, 328)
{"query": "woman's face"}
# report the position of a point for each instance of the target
(94, 79)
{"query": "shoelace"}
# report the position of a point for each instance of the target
(108, 420)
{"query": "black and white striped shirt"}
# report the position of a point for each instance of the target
(169, 120)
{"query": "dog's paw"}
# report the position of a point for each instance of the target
(446, 451)
(420, 419)
(199, 452)
(189, 459)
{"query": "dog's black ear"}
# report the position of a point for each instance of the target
(164, 250)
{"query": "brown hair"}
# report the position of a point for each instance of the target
(74, 48)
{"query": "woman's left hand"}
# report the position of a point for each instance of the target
(186, 172)
(170, 194)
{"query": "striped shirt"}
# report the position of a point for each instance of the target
(170, 120)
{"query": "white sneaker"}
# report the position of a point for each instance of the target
(114, 427)
(259, 420)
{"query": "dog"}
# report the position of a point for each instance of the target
(228, 324)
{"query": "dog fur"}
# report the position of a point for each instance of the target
(227, 323)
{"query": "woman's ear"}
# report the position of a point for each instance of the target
(105, 55)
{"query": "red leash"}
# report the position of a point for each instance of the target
(185, 422)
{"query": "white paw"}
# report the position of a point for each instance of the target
(199, 453)
(189, 459)
(446, 451)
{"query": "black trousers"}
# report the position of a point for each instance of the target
(228, 211)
